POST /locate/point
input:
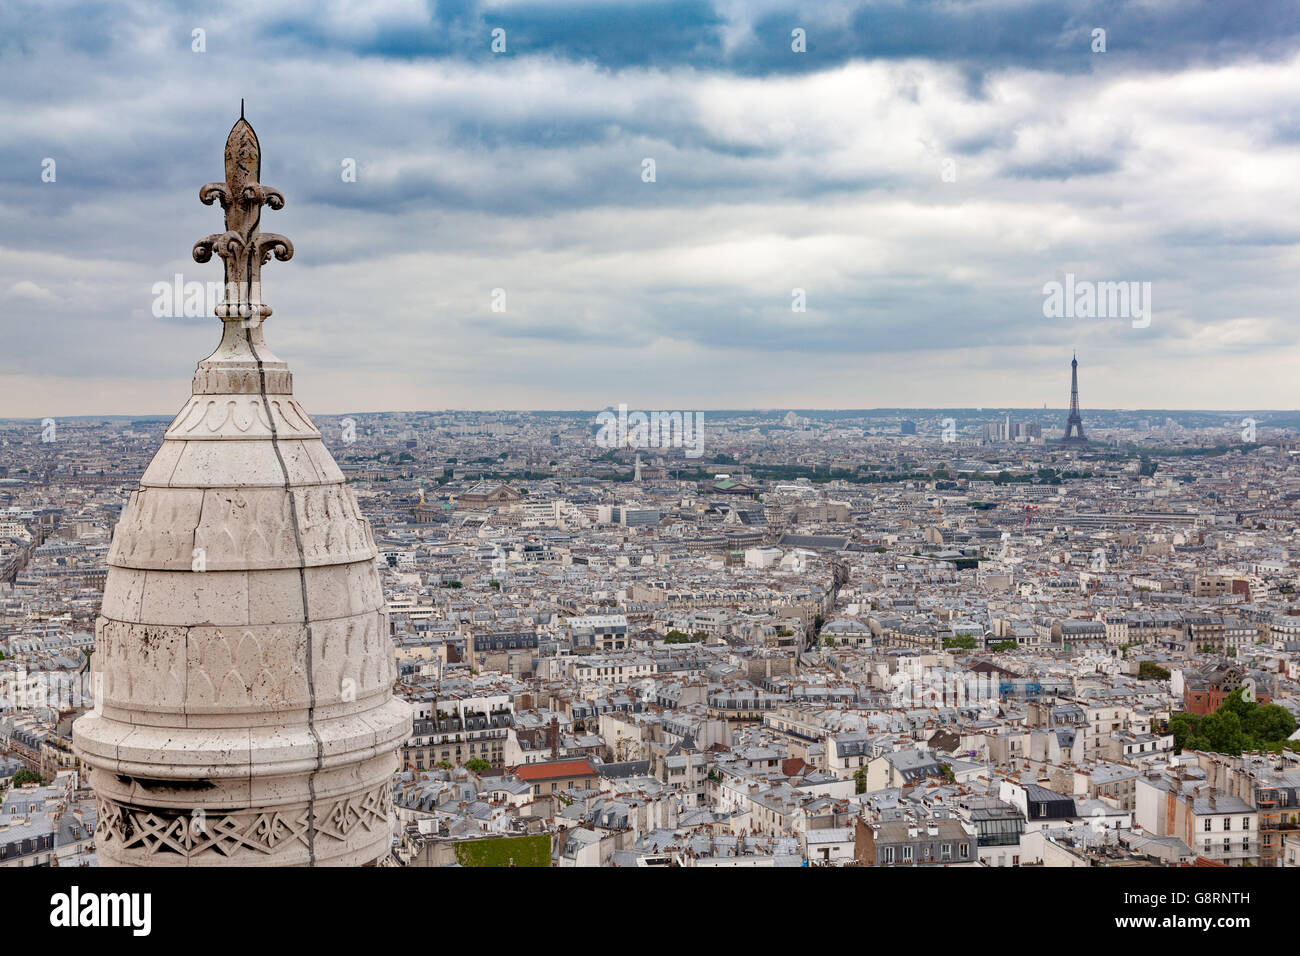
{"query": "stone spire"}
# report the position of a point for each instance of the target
(244, 712)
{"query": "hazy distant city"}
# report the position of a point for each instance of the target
(871, 637)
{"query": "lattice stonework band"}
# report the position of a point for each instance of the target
(261, 831)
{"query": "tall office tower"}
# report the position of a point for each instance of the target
(244, 712)
(1074, 424)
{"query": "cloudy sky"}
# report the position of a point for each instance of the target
(920, 171)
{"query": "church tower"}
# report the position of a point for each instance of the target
(244, 711)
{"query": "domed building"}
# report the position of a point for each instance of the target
(244, 710)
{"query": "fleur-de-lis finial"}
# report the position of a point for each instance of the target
(242, 248)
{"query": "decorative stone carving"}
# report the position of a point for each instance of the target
(239, 416)
(243, 657)
(242, 248)
(250, 380)
(225, 838)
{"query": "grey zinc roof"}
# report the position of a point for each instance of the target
(913, 763)
(1220, 803)
(619, 771)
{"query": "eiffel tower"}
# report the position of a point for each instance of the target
(1074, 424)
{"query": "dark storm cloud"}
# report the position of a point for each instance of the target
(1041, 34)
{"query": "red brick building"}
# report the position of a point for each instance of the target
(1205, 691)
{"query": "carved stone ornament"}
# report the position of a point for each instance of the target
(242, 248)
(243, 670)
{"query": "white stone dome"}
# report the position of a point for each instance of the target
(244, 710)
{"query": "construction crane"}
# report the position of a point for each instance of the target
(1028, 510)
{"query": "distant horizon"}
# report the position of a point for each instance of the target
(781, 410)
